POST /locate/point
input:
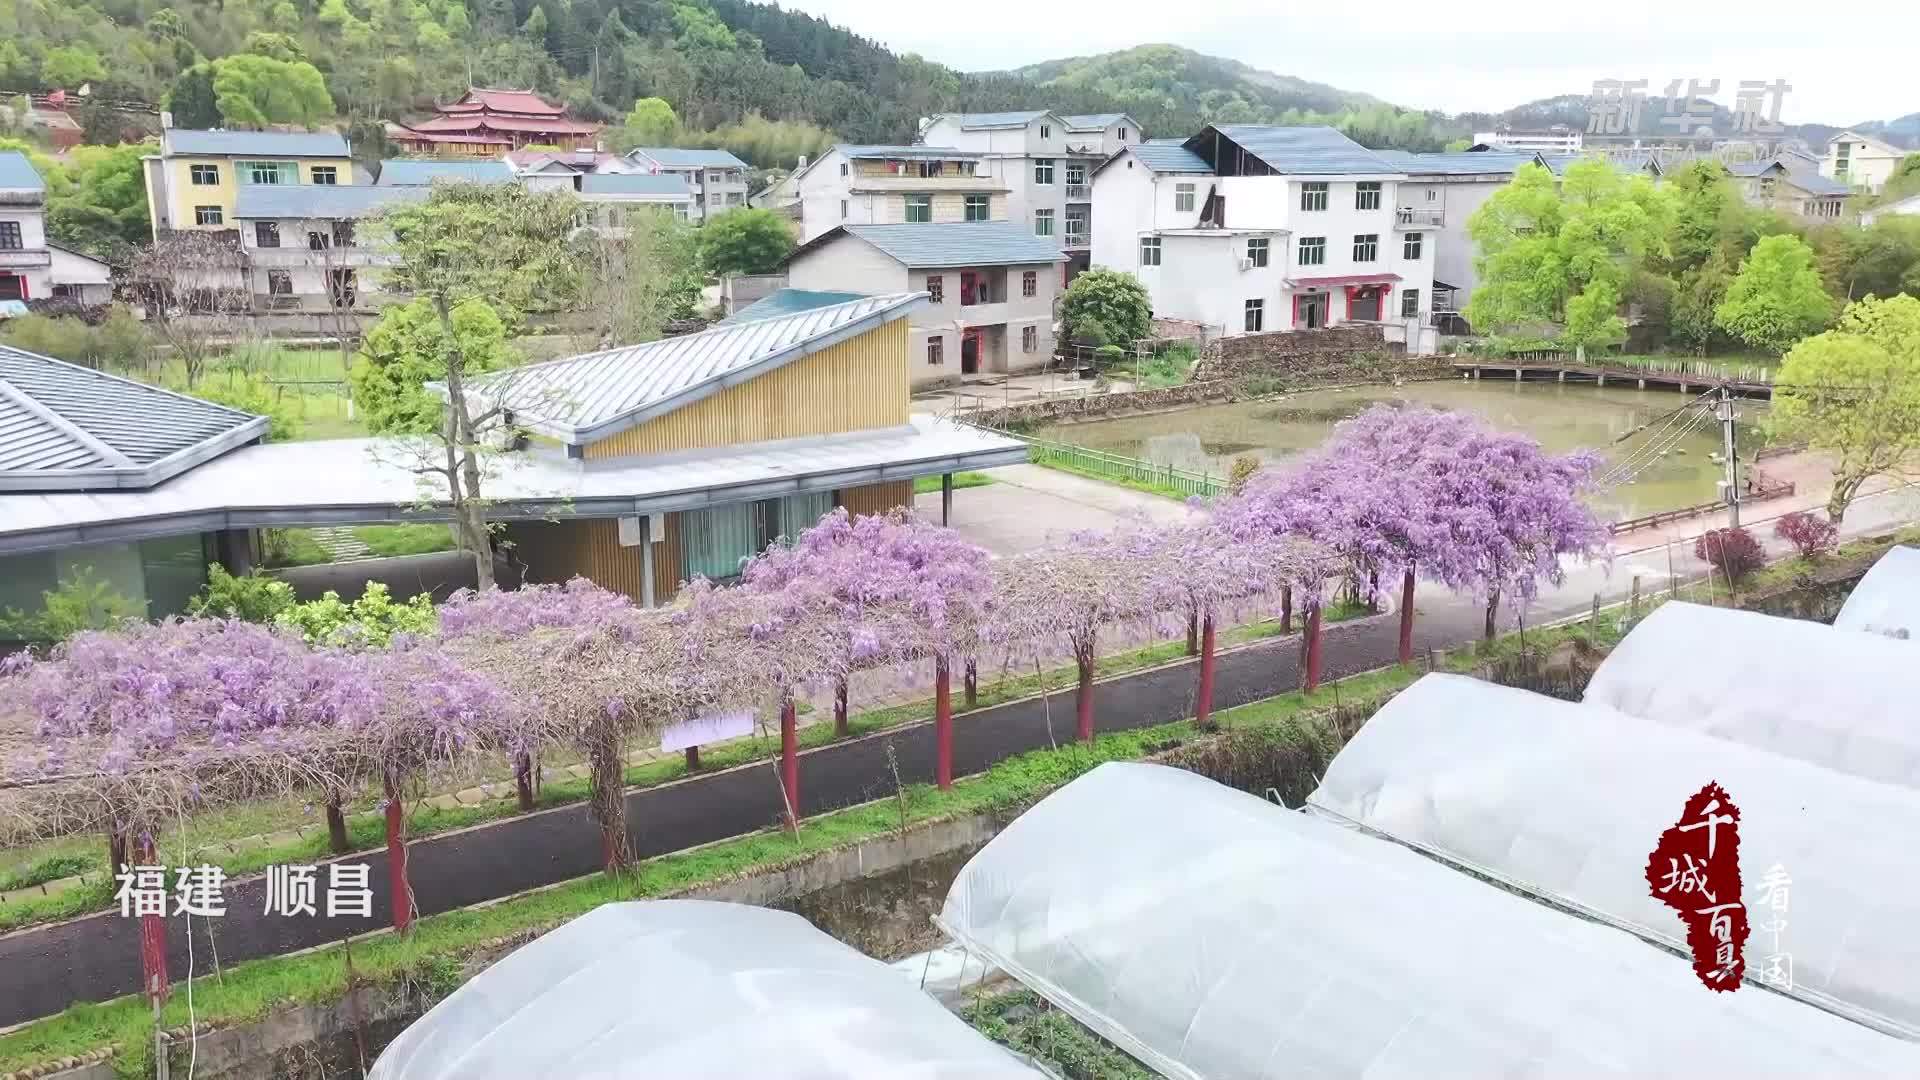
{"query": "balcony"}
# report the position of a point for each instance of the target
(306, 258)
(1076, 241)
(18, 258)
(983, 314)
(1409, 218)
(1079, 192)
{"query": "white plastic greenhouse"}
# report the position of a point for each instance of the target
(1887, 599)
(1566, 801)
(1831, 697)
(687, 988)
(1215, 935)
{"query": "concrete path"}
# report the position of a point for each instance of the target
(1028, 506)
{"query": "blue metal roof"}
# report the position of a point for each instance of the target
(1483, 163)
(1169, 158)
(406, 173)
(320, 200)
(683, 157)
(246, 143)
(1814, 183)
(17, 172)
(1294, 151)
(1092, 121)
(783, 302)
(978, 121)
(929, 245)
(1753, 168)
(943, 153)
(668, 185)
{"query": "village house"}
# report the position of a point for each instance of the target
(1861, 161)
(1440, 193)
(490, 122)
(1556, 139)
(1774, 184)
(1250, 229)
(304, 248)
(30, 267)
(879, 185)
(611, 197)
(717, 179)
(193, 182)
(723, 440)
(413, 172)
(990, 286)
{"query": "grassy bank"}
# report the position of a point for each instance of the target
(926, 485)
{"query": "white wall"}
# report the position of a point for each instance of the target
(1199, 279)
(33, 225)
(1129, 199)
(847, 264)
(821, 192)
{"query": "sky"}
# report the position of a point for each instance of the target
(1480, 55)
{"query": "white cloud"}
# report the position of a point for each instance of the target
(1488, 55)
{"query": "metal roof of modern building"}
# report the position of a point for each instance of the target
(320, 200)
(581, 399)
(1483, 163)
(984, 121)
(1308, 151)
(683, 157)
(930, 245)
(1092, 121)
(943, 153)
(783, 302)
(400, 172)
(342, 481)
(18, 174)
(68, 428)
(1165, 158)
(659, 185)
(234, 143)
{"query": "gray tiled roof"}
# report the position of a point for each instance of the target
(16, 172)
(1091, 121)
(664, 184)
(404, 173)
(1296, 151)
(244, 143)
(1483, 163)
(943, 153)
(320, 200)
(585, 398)
(928, 245)
(1752, 168)
(66, 427)
(783, 302)
(1169, 158)
(978, 121)
(1816, 184)
(681, 157)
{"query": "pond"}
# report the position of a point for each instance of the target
(1562, 417)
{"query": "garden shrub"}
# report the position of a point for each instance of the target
(1809, 534)
(1732, 552)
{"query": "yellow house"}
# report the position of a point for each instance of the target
(195, 179)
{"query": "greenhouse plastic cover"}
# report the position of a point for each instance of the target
(1567, 801)
(1212, 934)
(1836, 698)
(688, 988)
(1887, 599)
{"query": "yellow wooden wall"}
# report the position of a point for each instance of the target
(554, 551)
(857, 384)
(666, 562)
(877, 498)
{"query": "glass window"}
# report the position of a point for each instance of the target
(1046, 132)
(936, 287)
(208, 215)
(936, 350)
(1366, 247)
(843, 168)
(1076, 172)
(280, 283)
(919, 208)
(1123, 134)
(1366, 195)
(204, 175)
(1256, 317)
(266, 234)
(1432, 194)
(1313, 195)
(1029, 339)
(1030, 283)
(1257, 250)
(978, 207)
(1183, 197)
(1313, 250)
(267, 172)
(843, 209)
(932, 168)
(10, 235)
(1149, 251)
(785, 519)
(175, 569)
(1043, 169)
(324, 174)
(1076, 227)
(1410, 247)
(1043, 223)
(1410, 303)
(714, 542)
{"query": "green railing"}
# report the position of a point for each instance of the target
(1119, 467)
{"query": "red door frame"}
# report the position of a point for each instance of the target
(26, 293)
(978, 336)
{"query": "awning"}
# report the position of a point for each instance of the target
(1344, 279)
(1441, 286)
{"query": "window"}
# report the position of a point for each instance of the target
(1313, 251)
(936, 351)
(342, 287)
(843, 209)
(978, 208)
(919, 208)
(1029, 339)
(208, 215)
(1046, 132)
(1123, 134)
(1256, 317)
(1410, 248)
(715, 176)
(266, 234)
(936, 288)
(343, 234)
(205, 175)
(1433, 194)
(1076, 228)
(267, 172)
(1366, 195)
(1149, 251)
(325, 174)
(1043, 170)
(1030, 283)
(1257, 252)
(280, 283)
(1366, 247)
(1183, 198)
(714, 542)
(1313, 195)
(843, 168)
(10, 235)
(1410, 303)
(932, 168)
(1076, 173)
(1043, 223)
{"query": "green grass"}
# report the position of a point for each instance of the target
(926, 485)
(1151, 488)
(294, 547)
(1172, 367)
(1024, 1022)
(416, 539)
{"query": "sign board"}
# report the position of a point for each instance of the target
(629, 532)
(702, 730)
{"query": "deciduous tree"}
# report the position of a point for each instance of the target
(748, 240)
(1777, 298)
(1113, 301)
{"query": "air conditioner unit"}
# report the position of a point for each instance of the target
(1246, 264)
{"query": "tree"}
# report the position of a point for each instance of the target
(747, 240)
(1733, 552)
(103, 212)
(1854, 391)
(192, 99)
(646, 275)
(1809, 535)
(1111, 303)
(407, 349)
(1593, 318)
(1776, 299)
(195, 286)
(256, 91)
(501, 244)
(651, 122)
(70, 66)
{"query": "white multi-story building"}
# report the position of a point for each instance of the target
(1046, 162)
(31, 268)
(305, 251)
(1440, 193)
(1249, 229)
(1558, 139)
(887, 185)
(717, 179)
(1861, 161)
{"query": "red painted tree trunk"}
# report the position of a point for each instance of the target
(523, 780)
(153, 936)
(693, 759)
(790, 758)
(1312, 682)
(942, 725)
(337, 839)
(401, 888)
(970, 682)
(840, 707)
(1406, 617)
(1083, 707)
(1203, 701)
(1286, 609)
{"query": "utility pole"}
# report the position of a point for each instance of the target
(1725, 413)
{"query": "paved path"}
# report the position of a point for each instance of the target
(1028, 506)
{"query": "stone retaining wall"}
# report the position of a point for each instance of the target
(1094, 406)
(1350, 353)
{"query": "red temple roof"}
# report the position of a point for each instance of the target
(519, 102)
